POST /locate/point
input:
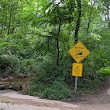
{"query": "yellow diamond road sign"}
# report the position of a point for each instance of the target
(79, 52)
(77, 69)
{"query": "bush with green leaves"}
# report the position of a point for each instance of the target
(57, 90)
(98, 56)
(105, 71)
(7, 64)
(51, 80)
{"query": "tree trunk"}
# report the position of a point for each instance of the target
(57, 42)
(48, 43)
(78, 22)
(2, 23)
(10, 17)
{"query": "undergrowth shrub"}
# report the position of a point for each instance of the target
(17, 66)
(105, 71)
(50, 81)
(7, 64)
(58, 90)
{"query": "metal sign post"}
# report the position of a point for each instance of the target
(76, 83)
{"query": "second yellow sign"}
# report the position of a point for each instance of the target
(77, 69)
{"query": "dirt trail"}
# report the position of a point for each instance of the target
(11, 100)
(99, 101)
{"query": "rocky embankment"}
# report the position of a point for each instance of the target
(14, 83)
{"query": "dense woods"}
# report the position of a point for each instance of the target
(35, 36)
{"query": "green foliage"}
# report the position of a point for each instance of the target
(105, 71)
(35, 34)
(50, 81)
(37, 88)
(94, 71)
(97, 58)
(89, 83)
(8, 62)
(58, 90)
